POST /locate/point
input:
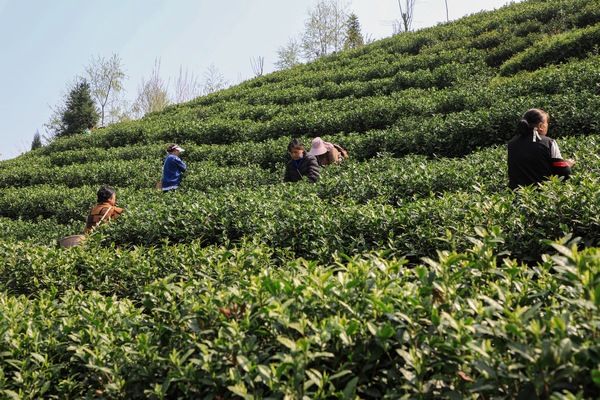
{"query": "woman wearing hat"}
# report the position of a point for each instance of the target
(173, 168)
(325, 152)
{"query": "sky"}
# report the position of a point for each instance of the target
(46, 44)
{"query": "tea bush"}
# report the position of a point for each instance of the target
(555, 49)
(408, 271)
(382, 180)
(451, 326)
(313, 228)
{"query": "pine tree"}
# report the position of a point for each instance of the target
(37, 141)
(79, 110)
(354, 38)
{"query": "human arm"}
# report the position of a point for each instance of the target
(116, 212)
(180, 164)
(560, 166)
(291, 173)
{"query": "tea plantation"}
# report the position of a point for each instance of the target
(408, 271)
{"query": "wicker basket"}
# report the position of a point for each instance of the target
(70, 241)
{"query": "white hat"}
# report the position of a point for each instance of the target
(175, 147)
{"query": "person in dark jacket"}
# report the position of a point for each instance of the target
(302, 165)
(533, 156)
(173, 168)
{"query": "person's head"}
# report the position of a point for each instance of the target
(174, 148)
(296, 149)
(107, 194)
(90, 126)
(534, 119)
(318, 147)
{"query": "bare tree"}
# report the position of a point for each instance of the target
(122, 111)
(406, 13)
(368, 38)
(288, 55)
(105, 77)
(187, 87)
(258, 65)
(214, 80)
(152, 94)
(447, 17)
(325, 29)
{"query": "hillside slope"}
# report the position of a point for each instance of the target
(461, 85)
(446, 91)
(409, 270)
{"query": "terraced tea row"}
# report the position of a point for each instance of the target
(457, 325)
(474, 112)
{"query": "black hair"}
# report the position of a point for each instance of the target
(105, 193)
(90, 125)
(531, 119)
(295, 144)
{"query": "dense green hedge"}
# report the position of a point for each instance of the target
(43, 231)
(135, 174)
(297, 219)
(383, 180)
(409, 271)
(456, 325)
(554, 50)
(316, 228)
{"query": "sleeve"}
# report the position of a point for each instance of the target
(288, 176)
(554, 150)
(312, 171)
(180, 164)
(559, 166)
(117, 211)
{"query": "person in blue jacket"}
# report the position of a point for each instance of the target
(173, 168)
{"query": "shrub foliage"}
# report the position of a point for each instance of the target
(408, 271)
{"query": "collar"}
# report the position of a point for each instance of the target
(298, 162)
